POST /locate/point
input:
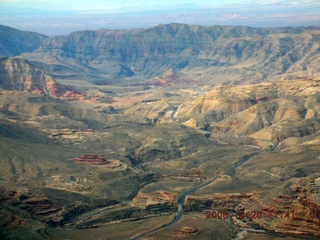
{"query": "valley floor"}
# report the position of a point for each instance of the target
(231, 162)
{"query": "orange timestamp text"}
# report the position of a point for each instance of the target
(249, 214)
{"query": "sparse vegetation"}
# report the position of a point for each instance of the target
(115, 160)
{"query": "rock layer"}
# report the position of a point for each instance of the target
(19, 74)
(229, 53)
(94, 159)
(271, 111)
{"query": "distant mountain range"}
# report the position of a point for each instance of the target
(203, 55)
(13, 42)
(51, 19)
(78, 157)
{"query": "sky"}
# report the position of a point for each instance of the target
(117, 4)
(59, 17)
(107, 4)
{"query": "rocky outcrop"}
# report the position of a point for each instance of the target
(166, 79)
(224, 202)
(8, 220)
(19, 74)
(39, 207)
(296, 213)
(152, 199)
(94, 159)
(270, 111)
(68, 132)
(214, 54)
(72, 96)
(186, 231)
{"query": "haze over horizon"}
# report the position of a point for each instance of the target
(194, 120)
(59, 17)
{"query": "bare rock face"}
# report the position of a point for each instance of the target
(38, 206)
(201, 52)
(94, 159)
(220, 201)
(186, 231)
(19, 74)
(270, 111)
(8, 219)
(154, 199)
(69, 96)
(296, 213)
(168, 78)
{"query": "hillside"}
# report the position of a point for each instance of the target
(115, 133)
(13, 42)
(18, 74)
(207, 55)
(271, 111)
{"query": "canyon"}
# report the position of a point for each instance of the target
(102, 135)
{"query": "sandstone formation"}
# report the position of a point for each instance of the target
(264, 111)
(203, 54)
(19, 74)
(166, 79)
(94, 159)
(170, 134)
(221, 202)
(186, 231)
(22, 75)
(297, 213)
(154, 198)
(39, 207)
(66, 131)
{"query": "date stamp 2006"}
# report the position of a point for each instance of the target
(249, 214)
